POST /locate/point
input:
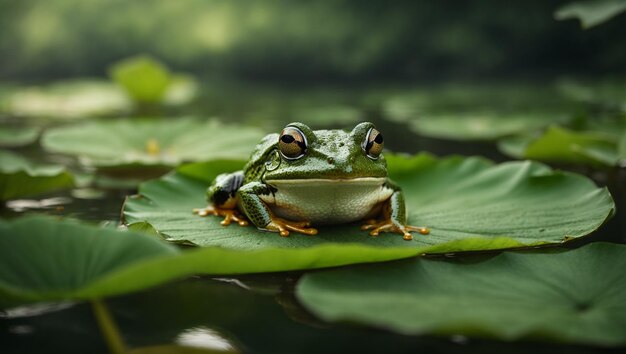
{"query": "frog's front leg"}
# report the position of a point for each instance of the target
(251, 202)
(394, 217)
(222, 197)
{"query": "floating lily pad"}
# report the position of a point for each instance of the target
(21, 178)
(69, 99)
(18, 136)
(591, 12)
(474, 113)
(468, 203)
(575, 296)
(562, 145)
(140, 143)
(477, 126)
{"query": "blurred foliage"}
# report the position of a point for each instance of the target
(594, 134)
(18, 136)
(591, 13)
(143, 78)
(280, 39)
(69, 99)
(560, 145)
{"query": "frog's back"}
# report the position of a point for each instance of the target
(253, 170)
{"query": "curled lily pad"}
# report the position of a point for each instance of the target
(575, 296)
(70, 260)
(591, 13)
(18, 136)
(46, 259)
(141, 143)
(468, 203)
(21, 178)
(69, 99)
(562, 145)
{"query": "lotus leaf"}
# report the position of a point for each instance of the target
(574, 296)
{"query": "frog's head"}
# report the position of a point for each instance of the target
(302, 153)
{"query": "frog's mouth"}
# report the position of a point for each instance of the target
(362, 181)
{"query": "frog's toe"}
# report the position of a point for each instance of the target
(229, 215)
(422, 230)
(283, 226)
(376, 227)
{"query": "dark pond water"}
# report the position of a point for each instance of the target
(254, 314)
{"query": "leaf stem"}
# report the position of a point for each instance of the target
(108, 327)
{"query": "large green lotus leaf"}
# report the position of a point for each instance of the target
(69, 99)
(591, 12)
(562, 145)
(575, 296)
(21, 178)
(42, 259)
(143, 78)
(468, 203)
(18, 136)
(162, 142)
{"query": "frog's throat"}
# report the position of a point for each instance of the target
(326, 201)
(323, 181)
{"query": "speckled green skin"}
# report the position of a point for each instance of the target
(331, 154)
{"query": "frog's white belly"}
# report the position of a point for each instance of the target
(326, 201)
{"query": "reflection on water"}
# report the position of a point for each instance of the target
(20, 205)
(214, 315)
(203, 337)
(35, 309)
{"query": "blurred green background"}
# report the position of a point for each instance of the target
(279, 40)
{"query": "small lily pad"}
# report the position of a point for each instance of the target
(574, 296)
(143, 78)
(468, 203)
(562, 145)
(18, 136)
(148, 81)
(21, 178)
(591, 12)
(140, 143)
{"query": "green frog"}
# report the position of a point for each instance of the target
(302, 177)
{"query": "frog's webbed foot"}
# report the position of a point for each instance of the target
(388, 226)
(283, 226)
(229, 215)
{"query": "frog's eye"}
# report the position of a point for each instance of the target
(373, 144)
(292, 143)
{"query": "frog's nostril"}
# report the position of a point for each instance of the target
(331, 160)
